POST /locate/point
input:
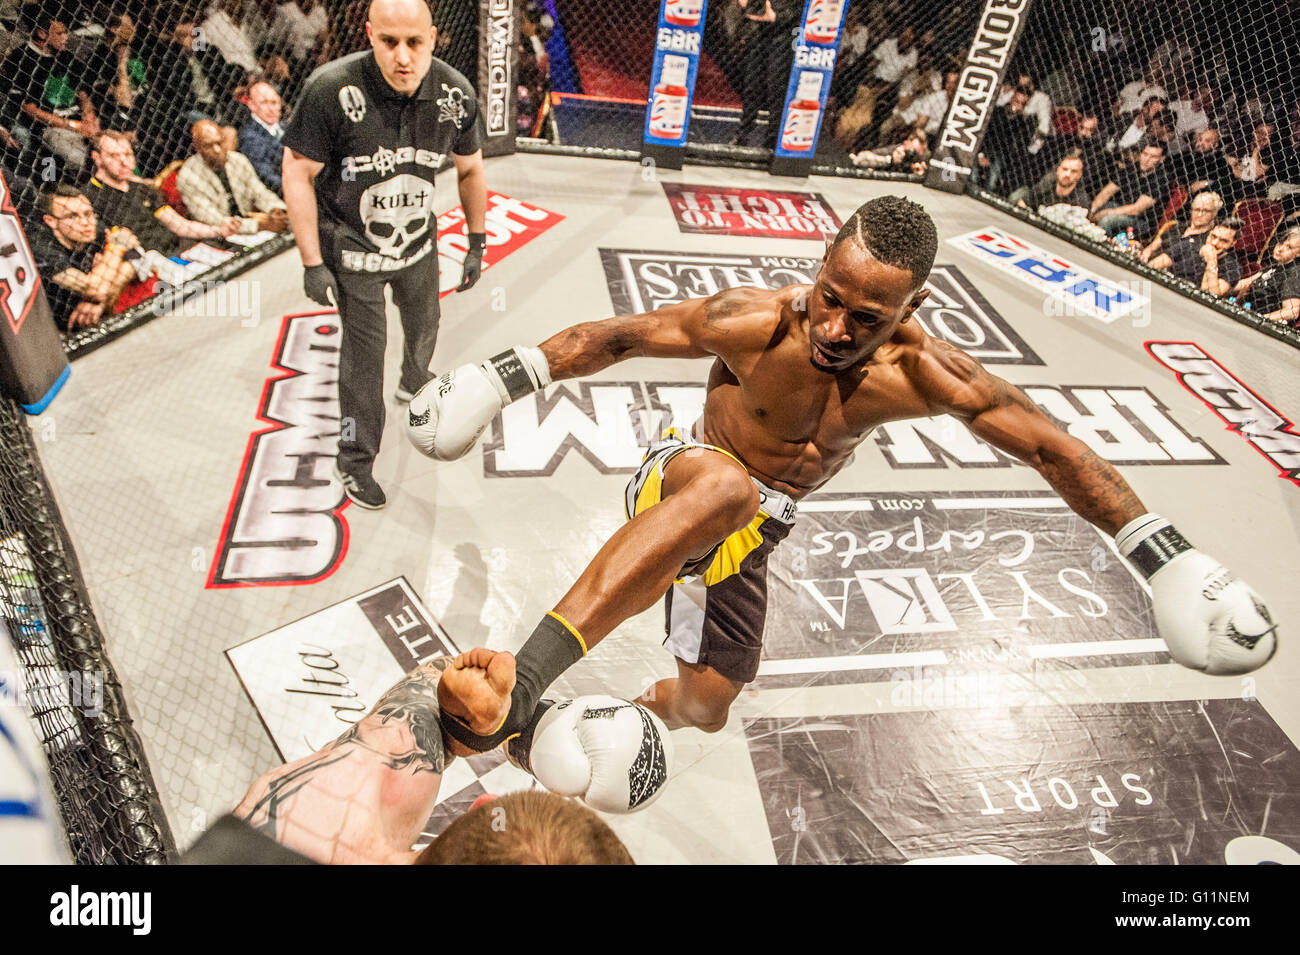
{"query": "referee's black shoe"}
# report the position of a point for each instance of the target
(362, 489)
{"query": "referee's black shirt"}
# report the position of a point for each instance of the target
(380, 150)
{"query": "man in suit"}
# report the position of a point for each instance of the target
(260, 137)
(216, 183)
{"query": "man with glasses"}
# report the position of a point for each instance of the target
(83, 278)
(1205, 213)
(120, 199)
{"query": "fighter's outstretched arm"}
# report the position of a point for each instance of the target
(695, 328)
(447, 415)
(955, 383)
(1211, 620)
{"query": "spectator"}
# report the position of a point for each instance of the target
(922, 107)
(1039, 106)
(1135, 196)
(120, 199)
(1193, 115)
(768, 56)
(224, 28)
(1205, 259)
(1254, 169)
(909, 156)
(1086, 142)
(200, 84)
(1205, 213)
(1061, 187)
(890, 61)
(1205, 167)
(1274, 292)
(216, 183)
(1000, 165)
(119, 78)
(304, 26)
(1133, 128)
(83, 278)
(1136, 95)
(259, 138)
(49, 92)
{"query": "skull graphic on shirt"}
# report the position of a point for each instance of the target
(397, 213)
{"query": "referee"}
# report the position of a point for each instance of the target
(360, 154)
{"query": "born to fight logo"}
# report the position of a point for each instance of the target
(284, 526)
(1245, 412)
(642, 281)
(610, 422)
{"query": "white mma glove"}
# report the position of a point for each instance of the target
(447, 415)
(613, 755)
(1211, 620)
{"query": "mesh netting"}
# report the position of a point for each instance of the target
(1170, 132)
(112, 112)
(108, 800)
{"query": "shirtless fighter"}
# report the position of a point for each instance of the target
(801, 375)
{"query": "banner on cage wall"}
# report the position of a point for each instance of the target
(957, 149)
(815, 47)
(672, 80)
(498, 35)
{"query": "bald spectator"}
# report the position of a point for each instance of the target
(1206, 260)
(216, 183)
(1204, 166)
(260, 137)
(122, 200)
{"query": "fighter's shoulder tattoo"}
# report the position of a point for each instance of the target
(720, 309)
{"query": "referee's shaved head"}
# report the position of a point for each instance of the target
(416, 11)
(402, 34)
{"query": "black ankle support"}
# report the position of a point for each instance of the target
(553, 647)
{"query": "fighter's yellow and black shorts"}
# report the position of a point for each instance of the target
(716, 610)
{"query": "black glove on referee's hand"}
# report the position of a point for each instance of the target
(319, 284)
(473, 260)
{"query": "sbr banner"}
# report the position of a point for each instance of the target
(498, 36)
(672, 80)
(815, 47)
(957, 149)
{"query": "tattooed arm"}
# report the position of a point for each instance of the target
(696, 328)
(954, 383)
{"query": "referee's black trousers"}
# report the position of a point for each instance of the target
(361, 355)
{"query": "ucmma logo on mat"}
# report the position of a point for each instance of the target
(1267, 430)
(284, 525)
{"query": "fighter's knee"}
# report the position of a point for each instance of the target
(731, 496)
(705, 717)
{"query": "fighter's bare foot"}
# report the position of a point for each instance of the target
(476, 689)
